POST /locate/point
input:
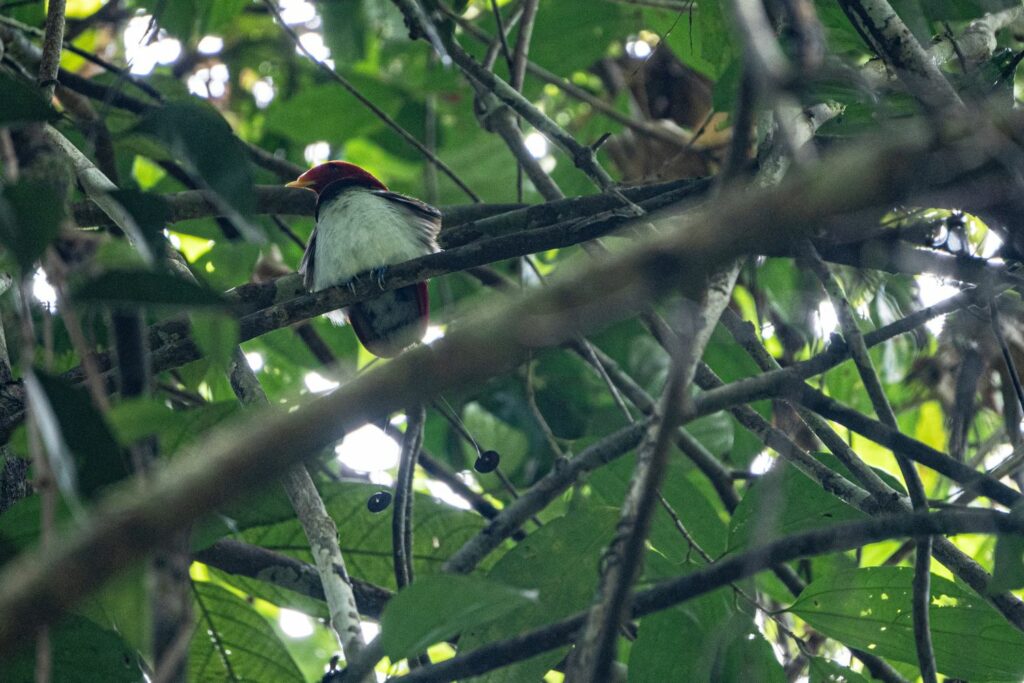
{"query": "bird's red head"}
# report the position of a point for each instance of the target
(319, 177)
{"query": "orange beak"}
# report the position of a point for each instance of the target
(298, 182)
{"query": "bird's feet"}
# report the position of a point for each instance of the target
(351, 284)
(378, 275)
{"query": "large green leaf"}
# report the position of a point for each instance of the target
(702, 39)
(870, 609)
(438, 607)
(233, 642)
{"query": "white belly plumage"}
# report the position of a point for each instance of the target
(359, 231)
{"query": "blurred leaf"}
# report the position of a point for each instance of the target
(29, 220)
(439, 607)
(140, 418)
(344, 29)
(870, 609)
(784, 502)
(696, 514)
(216, 335)
(150, 212)
(1008, 572)
(185, 19)
(139, 287)
(22, 104)
(963, 10)
(123, 605)
(826, 671)
(79, 429)
(234, 642)
(568, 39)
(83, 652)
(726, 646)
(307, 116)
(703, 40)
(197, 137)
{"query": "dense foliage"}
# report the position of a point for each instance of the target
(576, 405)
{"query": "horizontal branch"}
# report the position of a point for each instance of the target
(243, 559)
(663, 595)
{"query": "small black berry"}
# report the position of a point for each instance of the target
(487, 462)
(378, 501)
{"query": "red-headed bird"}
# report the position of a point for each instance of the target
(362, 226)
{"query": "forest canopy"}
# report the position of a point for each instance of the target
(720, 381)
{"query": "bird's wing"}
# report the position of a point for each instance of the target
(428, 218)
(308, 262)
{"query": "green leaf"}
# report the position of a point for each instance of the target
(705, 641)
(150, 211)
(365, 537)
(83, 652)
(22, 104)
(140, 418)
(785, 502)
(186, 19)
(233, 642)
(145, 288)
(561, 561)
(216, 335)
(567, 39)
(697, 515)
(703, 40)
(1008, 571)
(302, 117)
(199, 139)
(98, 458)
(963, 10)
(439, 607)
(29, 220)
(821, 670)
(870, 609)
(344, 29)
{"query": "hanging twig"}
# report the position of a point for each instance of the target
(401, 520)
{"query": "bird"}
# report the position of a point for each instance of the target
(362, 226)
